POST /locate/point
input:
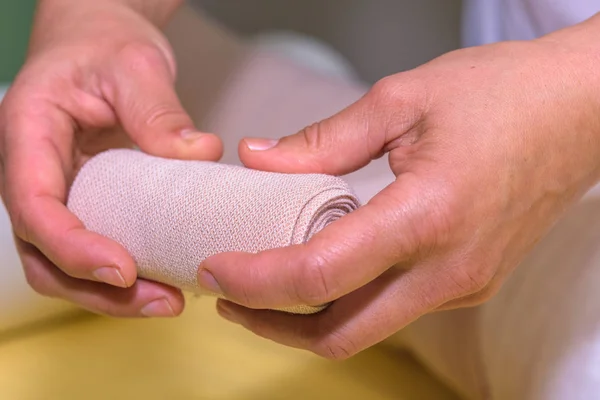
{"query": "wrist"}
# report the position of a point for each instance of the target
(156, 11)
(159, 12)
(575, 51)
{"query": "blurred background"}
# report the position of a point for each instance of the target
(378, 37)
(15, 22)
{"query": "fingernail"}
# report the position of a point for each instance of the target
(225, 311)
(110, 275)
(255, 144)
(207, 281)
(157, 309)
(191, 135)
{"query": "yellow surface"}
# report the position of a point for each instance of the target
(197, 356)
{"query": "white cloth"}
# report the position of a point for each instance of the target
(489, 21)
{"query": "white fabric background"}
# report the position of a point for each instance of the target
(488, 21)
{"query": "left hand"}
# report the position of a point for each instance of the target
(99, 75)
(489, 146)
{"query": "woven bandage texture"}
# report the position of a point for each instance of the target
(172, 214)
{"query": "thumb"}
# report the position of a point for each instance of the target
(343, 143)
(149, 110)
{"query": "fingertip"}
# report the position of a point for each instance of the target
(252, 153)
(78, 252)
(188, 144)
(177, 302)
(219, 275)
(171, 305)
(266, 155)
(112, 255)
(203, 146)
(261, 284)
(142, 299)
(258, 144)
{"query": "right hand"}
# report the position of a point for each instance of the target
(99, 75)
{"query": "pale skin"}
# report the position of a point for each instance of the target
(490, 145)
(96, 69)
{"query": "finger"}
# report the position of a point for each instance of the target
(37, 154)
(345, 142)
(354, 322)
(480, 296)
(336, 261)
(469, 301)
(143, 299)
(142, 92)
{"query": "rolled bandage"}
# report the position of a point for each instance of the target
(171, 214)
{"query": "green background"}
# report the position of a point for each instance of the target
(15, 23)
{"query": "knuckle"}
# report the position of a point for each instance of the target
(247, 296)
(441, 223)
(314, 140)
(487, 293)
(482, 297)
(113, 309)
(442, 207)
(259, 327)
(311, 284)
(106, 308)
(385, 90)
(313, 136)
(433, 224)
(141, 58)
(336, 347)
(475, 299)
(20, 223)
(469, 280)
(158, 113)
(37, 280)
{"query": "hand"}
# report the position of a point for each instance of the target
(489, 146)
(99, 75)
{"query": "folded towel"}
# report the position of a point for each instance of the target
(172, 214)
